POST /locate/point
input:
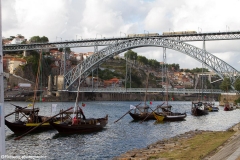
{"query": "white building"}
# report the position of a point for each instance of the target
(14, 63)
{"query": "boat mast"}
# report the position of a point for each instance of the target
(79, 82)
(2, 114)
(37, 80)
(145, 97)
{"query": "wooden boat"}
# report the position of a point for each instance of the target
(80, 126)
(198, 109)
(143, 113)
(227, 107)
(172, 116)
(210, 107)
(77, 123)
(28, 120)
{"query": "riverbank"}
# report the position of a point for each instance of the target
(197, 144)
(92, 96)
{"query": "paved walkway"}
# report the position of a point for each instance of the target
(231, 150)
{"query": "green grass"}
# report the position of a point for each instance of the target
(196, 147)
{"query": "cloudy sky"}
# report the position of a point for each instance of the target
(75, 19)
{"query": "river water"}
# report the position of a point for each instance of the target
(117, 138)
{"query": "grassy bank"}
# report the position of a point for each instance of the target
(196, 147)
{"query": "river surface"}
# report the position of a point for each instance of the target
(117, 138)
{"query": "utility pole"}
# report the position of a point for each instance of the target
(2, 113)
(126, 75)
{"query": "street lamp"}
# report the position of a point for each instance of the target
(227, 28)
(58, 37)
(97, 34)
(124, 33)
(199, 30)
(146, 31)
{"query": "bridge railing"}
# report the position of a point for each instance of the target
(151, 90)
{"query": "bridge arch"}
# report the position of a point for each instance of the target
(212, 62)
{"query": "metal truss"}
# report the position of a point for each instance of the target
(153, 90)
(205, 36)
(212, 62)
(110, 41)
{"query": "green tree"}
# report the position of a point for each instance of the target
(33, 59)
(130, 55)
(44, 39)
(142, 59)
(237, 84)
(37, 39)
(153, 63)
(225, 85)
(198, 70)
(68, 50)
(175, 66)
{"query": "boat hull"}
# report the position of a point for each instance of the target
(199, 112)
(175, 117)
(142, 116)
(20, 128)
(87, 126)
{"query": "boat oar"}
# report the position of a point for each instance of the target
(123, 115)
(151, 113)
(15, 111)
(126, 113)
(42, 123)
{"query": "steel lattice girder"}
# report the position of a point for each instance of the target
(212, 62)
(111, 41)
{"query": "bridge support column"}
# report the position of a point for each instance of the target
(49, 90)
(63, 95)
(24, 53)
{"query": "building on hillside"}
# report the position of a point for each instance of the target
(6, 41)
(179, 87)
(13, 63)
(6, 60)
(114, 82)
(18, 39)
(166, 85)
(93, 81)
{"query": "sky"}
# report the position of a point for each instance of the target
(82, 19)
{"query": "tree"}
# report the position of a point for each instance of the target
(130, 55)
(153, 63)
(37, 39)
(142, 60)
(68, 50)
(226, 84)
(44, 39)
(237, 84)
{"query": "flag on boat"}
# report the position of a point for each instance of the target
(132, 107)
(54, 109)
(83, 104)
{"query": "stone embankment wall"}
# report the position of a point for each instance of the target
(14, 80)
(228, 98)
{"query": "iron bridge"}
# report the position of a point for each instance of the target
(212, 36)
